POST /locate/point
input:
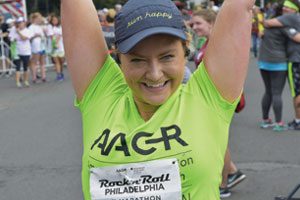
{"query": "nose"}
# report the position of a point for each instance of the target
(154, 72)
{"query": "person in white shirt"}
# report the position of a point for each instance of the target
(38, 44)
(58, 52)
(21, 35)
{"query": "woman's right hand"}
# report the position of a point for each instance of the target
(84, 43)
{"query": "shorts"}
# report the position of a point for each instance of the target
(43, 52)
(294, 78)
(59, 54)
(22, 61)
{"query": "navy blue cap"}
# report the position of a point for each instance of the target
(139, 19)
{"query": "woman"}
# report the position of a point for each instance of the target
(58, 52)
(38, 45)
(21, 36)
(143, 131)
(272, 62)
(203, 22)
(292, 23)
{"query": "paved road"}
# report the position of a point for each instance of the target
(40, 144)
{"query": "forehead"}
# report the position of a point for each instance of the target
(198, 18)
(158, 42)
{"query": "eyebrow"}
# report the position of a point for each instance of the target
(161, 54)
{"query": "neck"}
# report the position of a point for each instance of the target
(146, 110)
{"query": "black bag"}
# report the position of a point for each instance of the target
(290, 197)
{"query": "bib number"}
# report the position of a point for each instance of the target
(157, 180)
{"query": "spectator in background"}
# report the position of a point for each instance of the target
(102, 18)
(256, 31)
(182, 7)
(4, 28)
(272, 62)
(118, 7)
(22, 35)
(58, 52)
(109, 32)
(269, 11)
(203, 22)
(292, 23)
(212, 6)
(260, 17)
(38, 45)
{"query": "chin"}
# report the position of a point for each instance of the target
(157, 101)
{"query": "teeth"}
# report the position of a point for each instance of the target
(156, 85)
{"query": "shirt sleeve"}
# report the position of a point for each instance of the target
(49, 31)
(107, 86)
(12, 34)
(31, 29)
(28, 33)
(290, 32)
(287, 20)
(201, 86)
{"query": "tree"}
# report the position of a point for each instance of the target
(52, 6)
(108, 3)
(43, 6)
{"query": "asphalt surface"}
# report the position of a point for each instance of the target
(41, 144)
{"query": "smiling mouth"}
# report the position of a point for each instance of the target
(159, 85)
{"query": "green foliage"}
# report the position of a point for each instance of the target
(43, 6)
(107, 3)
(50, 6)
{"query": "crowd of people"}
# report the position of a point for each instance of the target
(275, 44)
(26, 45)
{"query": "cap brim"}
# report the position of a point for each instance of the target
(128, 44)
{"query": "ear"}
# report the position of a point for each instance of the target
(187, 52)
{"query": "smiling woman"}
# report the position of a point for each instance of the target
(138, 120)
(153, 76)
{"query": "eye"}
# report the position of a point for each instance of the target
(136, 60)
(168, 57)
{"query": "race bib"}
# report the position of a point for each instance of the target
(159, 180)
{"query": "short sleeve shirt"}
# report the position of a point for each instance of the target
(191, 126)
(38, 43)
(293, 48)
(23, 46)
(57, 34)
(273, 46)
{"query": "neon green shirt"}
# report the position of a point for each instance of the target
(192, 126)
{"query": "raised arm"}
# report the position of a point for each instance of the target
(84, 43)
(272, 23)
(227, 55)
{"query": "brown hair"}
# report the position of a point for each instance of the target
(51, 19)
(35, 15)
(208, 15)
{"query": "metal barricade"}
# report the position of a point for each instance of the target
(291, 195)
(6, 63)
